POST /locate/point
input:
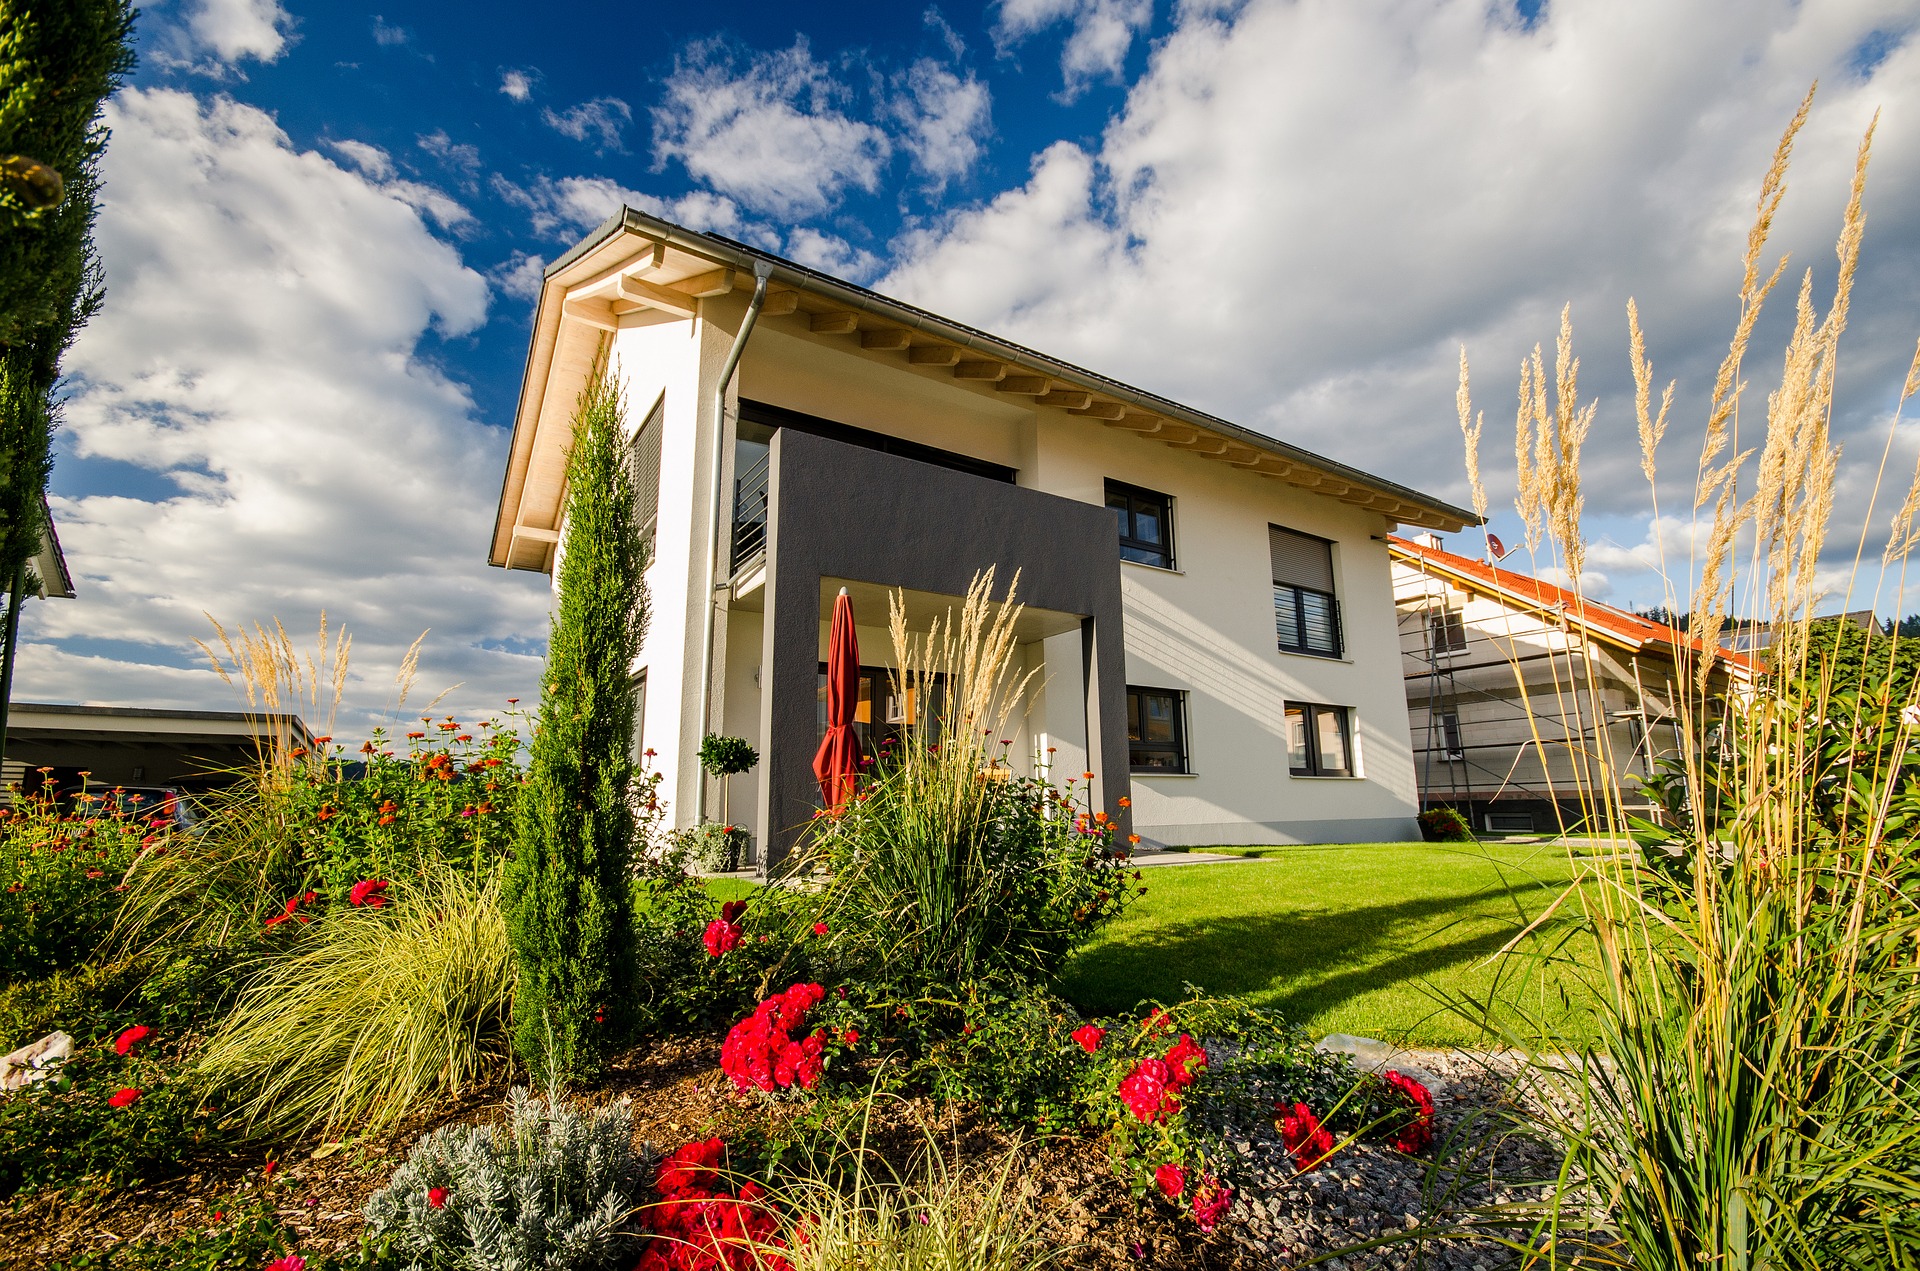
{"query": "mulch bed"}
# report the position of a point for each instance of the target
(678, 1093)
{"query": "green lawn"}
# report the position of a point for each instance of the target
(1376, 938)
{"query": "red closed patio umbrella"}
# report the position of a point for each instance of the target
(837, 763)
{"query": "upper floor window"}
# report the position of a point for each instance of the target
(1319, 740)
(1306, 612)
(1450, 735)
(643, 458)
(1156, 730)
(1447, 631)
(1146, 524)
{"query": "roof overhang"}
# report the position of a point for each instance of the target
(50, 565)
(634, 262)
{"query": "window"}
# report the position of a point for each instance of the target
(1306, 616)
(643, 458)
(1447, 631)
(1146, 524)
(639, 718)
(1319, 741)
(1449, 723)
(1156, 730)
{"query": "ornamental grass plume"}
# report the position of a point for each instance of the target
(374, 1013)
(850, 1211)
(1747, 961)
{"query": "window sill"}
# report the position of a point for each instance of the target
(1158, 569)
(1342, 660)
(1325, 776)
(1138, 773)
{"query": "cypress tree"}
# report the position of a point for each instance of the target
(59, 59)
(569, 907)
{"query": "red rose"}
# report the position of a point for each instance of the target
(130, 1038)
(819, 928)
(1145, 1091)
(1417, 1132)
(1090, 1036)
(1184, 1053)
(121, 1098)
(851, 1037)
(1171, 1180)
(368, 892)
(721, 937)
(1210, 1201)
(1309, 1141)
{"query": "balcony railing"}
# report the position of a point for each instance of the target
(750, 511)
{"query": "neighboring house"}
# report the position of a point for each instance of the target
(131, 746)
(1208, 609)
(1517, 689)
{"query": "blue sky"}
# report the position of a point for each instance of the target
(323, 223)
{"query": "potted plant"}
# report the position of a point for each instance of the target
(726, 757)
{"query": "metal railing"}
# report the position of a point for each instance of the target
(750, 511)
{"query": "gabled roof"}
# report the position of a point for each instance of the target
(634, 261)
(1603, 621)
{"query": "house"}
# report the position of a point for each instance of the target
(1209, 609)
(1521, 693)
(137, 746)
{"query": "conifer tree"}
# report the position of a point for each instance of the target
(569, 908)
(59, 60)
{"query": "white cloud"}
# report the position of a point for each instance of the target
(519, 276)
(517, 84)
(945, 119)
(1102, 34)
(389, 35)
(772, 134)
(454, 154)
(565, 206)
(214, 35)
(600, 121)
(261, 347)
(1306, 206)
(374, 162)
(831, 255)
(377, 166)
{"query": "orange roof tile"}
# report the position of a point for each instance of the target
(1627, 628)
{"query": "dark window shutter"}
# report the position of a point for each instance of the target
(1299, 560)
(644, 456)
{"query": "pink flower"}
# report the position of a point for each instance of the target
(130, 1038)
(436, 1198)
(819, 928)
(1090, 1036)
(292, 1262)
(1210, 1201)
(721, 937)
(1308, 1140)
(121, 1098)
(368, 892)
(1171, 1180)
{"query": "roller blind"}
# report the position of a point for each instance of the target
(644, 456)
(1300, 560)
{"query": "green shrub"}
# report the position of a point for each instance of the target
(65, 1132)
(311, 825)
(713, 846)
(555, 1188)
(245, 1236)
(676, 982)
(567, 896)
(371, 1012)
(60, 875)
(1445, 825)
(947, 868)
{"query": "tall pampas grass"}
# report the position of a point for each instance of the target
(1755, 985)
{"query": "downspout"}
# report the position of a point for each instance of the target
(762, 271)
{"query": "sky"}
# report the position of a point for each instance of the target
(323, 228)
